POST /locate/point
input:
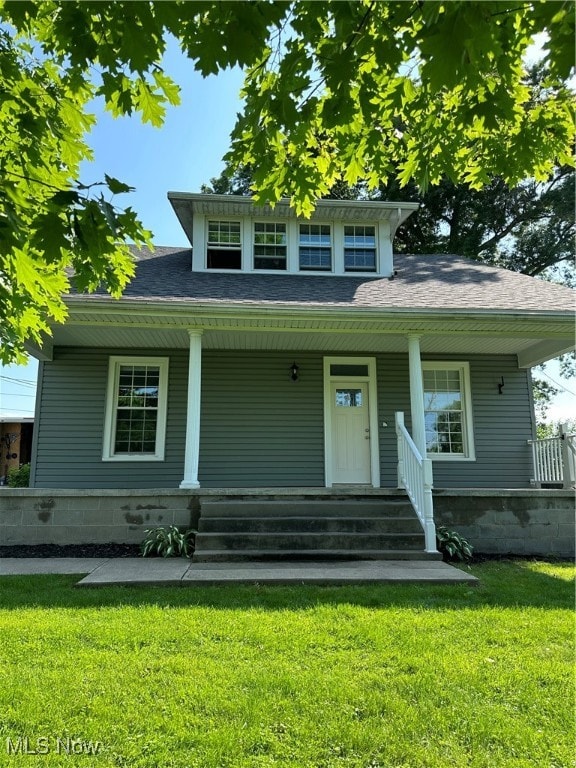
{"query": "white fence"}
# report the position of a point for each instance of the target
(415, 476)
(554, 460)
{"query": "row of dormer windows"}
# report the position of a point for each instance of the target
(270, 246)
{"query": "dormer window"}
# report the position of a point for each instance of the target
(359, 248)
(270, 245)
(224, 250)
(315, 247)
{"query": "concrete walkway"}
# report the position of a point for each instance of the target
(179, 572)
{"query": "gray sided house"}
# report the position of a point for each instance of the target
(295, 361)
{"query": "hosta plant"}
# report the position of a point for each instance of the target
(452, 545)
(168, 542)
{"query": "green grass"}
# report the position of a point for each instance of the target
(383, 676)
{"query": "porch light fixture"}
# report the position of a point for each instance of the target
(294, 368)
(501, 385)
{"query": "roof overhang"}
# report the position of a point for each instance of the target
(186, 205)
(533, 337)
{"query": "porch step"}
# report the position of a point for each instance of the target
(259, 555)
(301, 524)
(306, 541)
(310, 529)
(389, 507)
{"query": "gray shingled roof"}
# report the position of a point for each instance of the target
(421, 283)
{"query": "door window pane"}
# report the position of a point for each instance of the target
(349, 398)
(348, 370)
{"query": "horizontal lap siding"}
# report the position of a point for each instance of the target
(71, 424)
(393, 395)
(258, 427)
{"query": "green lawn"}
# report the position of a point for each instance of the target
(382, 676)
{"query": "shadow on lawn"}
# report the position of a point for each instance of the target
(506, 583)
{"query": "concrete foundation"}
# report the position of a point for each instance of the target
(36, 516)
(520, 522)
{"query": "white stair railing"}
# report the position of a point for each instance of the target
(554, 459)
(415, 476)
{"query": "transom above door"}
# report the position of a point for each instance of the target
(351, 421)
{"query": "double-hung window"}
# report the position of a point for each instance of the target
(359, 248)
(447, 410)
(224, 245)
(135, 424)
(315, 247)
(270, 245)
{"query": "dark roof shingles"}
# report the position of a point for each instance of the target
(420, 282)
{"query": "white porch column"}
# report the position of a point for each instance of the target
(416, 394)
(419, 437)
(193, 412)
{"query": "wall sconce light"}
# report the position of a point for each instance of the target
(501, 385)
(294, 371)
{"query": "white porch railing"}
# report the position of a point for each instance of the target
(415, 476)
(554, 459)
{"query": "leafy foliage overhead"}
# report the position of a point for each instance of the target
(358, 91)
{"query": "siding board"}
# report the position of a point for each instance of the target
(258, 428)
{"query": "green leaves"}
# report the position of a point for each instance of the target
(431, 89)
(117, 187)
(50, 225)
(360, 91)
(168, 542)
(453, 545)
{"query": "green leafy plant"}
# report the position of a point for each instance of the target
(168, 542)
(452, 545)
(19, 477)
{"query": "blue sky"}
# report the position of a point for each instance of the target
(181, 156)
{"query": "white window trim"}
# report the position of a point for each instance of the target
(383, 246)
(360, 272)
(111, 399)
(333, 249)
(265, 271)
(242, 246)
(467, 427)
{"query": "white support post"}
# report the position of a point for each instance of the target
(399, 424)
(429, 525)
(193, 412)
(419, 437)
(416, 394)
(567, 458)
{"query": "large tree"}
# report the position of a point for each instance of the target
(358, 90)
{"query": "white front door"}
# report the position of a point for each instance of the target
(350, 427)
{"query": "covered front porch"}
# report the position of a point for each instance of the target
(307, 401)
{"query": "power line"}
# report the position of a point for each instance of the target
(22, 382)
(17, 394)
(557, 383)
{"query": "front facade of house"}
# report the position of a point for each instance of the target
(282, 358)
(277, 351)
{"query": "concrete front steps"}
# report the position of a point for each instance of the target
(232, 530)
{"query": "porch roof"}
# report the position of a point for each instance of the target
(457, 306)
